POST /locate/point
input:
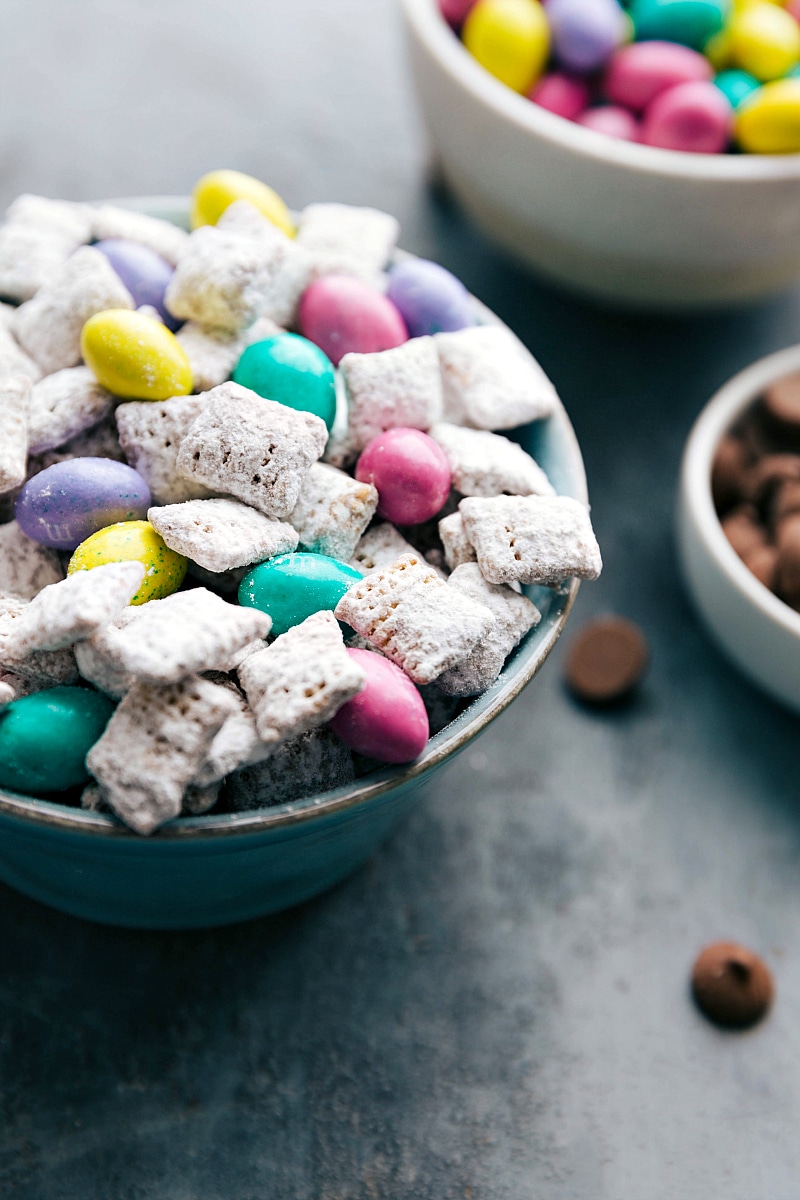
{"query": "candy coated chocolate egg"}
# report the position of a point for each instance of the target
(613, 121)
(387, 719)
(290, 587)
(68, 502)
(343, 315)
(217, 190)
(691, 22)
(44, 738)
(135, 356)
(144, 273)
(769, 121)
(510, 39)
(764, 41)
(291, 370)
(736, 86)
(693, 117)
(429, 298)
(585, 32)
(637, 74)
(410, 471)
(561, 94)
(134, 541)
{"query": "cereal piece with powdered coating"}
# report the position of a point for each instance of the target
(70, 220)
(173, 638)
(93, 799)
(223, 279)
(301, 680)
(48, 327)
(303, 766)
(236, 745)
(162, 237)
(379, 547)
(6, 313)
(458, 548)
(514, 615)
(531, 539)
(364, 234)
(252, 448)
(411, 614)
(7, 694)
(15, 395)
(25, 566)
(153, 745)
(490, 381)
(63, 405)
(213, 353)
(150, 433)
(13, 359)
(398, 387)
(21, 686)
(221, 534)
(47, 667)
(333, 511)
(100, 441)
(486, 464)
(200, 799)
(36, 240)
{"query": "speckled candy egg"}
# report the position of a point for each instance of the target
(343, 315)
(291, 370)
(387, 720)
(410, 471)
(429, 298)
(68, 502)
(44, 738)
(134, 541)
(135, 356)
(290, 587)
(144, 273)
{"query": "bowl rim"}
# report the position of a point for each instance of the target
(429, 26)
(480, 713)
(714, 421)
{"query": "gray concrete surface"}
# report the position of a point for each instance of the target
(496, 1007)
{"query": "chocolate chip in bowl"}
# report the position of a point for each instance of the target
(203, 687)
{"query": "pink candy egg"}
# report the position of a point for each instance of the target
(455, 12)
(410, 471)
(341, 315)
(561, 94)
(613, 121)
(694, 117)
(387, 720)
(638, 73)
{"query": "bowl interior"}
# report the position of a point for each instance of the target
(554, 445)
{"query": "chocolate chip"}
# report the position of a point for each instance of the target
(770, 473)
(762, 561)
(787, 539)
(731, 985)
(743, 529)
(730, 474)
(782, 408)
(786, 500)
(606, 660)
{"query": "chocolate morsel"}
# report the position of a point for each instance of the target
(606, 660)
(781, 408)
(731, 985)
(743, 529)
(730, 473)
(762, 561)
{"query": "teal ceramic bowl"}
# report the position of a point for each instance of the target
(213, 870)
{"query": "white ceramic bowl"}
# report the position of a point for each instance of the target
(754, 628)
(630, 223)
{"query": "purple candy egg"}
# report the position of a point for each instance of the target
(66, 503)
(144, 273)
(585, 32)
(429, 298)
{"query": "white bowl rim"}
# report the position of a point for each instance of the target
(431, 28)
(482, 710)
(721, 412)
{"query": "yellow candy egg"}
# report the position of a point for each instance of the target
(764, 40)
(718, 49)
(135, 356)
(769, 122)
(133, 541)
(510, 38)
(214, 192)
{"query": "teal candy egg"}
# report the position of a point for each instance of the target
(691, 22)
(291, 370)
(736, 86)
(290, 587)
(44, 738)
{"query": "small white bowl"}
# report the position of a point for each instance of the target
(649, 227)
(754, 628)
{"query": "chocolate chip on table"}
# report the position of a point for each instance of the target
(731, 985)
(606, 660)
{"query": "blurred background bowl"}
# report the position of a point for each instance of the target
(632, 224)
(755, 629)
(217, 869)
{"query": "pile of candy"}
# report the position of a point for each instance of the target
(703, 76)
(165, 440)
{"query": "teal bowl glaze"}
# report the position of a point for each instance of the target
(214, 870)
